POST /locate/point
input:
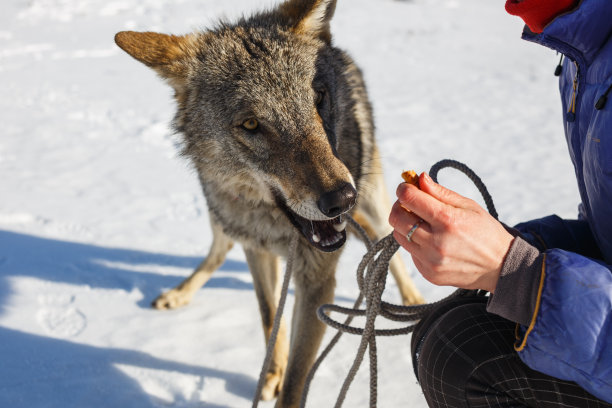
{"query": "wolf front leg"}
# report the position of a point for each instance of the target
(182, 294)
(314, 286)
(266, 272)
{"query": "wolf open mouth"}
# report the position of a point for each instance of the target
(327, 236)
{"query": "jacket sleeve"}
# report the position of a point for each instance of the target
(570, 334)
(562, 302)
(555, 232)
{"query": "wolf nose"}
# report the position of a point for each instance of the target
(334, 203)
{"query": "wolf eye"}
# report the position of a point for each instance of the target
(319, 97)
(250, 124)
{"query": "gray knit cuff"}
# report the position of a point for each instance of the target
(516, 292)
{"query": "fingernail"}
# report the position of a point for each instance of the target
(427, 178)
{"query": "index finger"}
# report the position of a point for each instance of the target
(419, 202)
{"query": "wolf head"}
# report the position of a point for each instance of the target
(262, 105)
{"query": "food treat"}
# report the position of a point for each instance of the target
(411, 177)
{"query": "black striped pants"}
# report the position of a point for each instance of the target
(464, 357)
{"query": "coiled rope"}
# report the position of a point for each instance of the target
(371, 279)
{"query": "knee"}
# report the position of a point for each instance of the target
(453, 345)
(442, 337)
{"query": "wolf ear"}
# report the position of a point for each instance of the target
(310, 17)
(168, 55)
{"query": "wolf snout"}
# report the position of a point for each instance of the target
(334, 203)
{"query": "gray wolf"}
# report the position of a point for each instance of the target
(277, 124)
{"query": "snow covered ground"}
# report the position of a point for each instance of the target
(98, 215)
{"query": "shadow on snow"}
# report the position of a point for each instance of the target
(99, 267)
(46, 372)
(40, 371)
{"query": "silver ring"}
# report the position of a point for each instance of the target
(412, 230)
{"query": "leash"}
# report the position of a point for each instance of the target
(371, 279)
(277, 319)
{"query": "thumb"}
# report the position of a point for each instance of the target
(442, 193)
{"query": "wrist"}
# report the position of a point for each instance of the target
(492, 278)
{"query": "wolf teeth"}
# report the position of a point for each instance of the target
(331, 241)
(316, 238)
(340, 227)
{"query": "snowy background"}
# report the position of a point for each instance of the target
(98, 215)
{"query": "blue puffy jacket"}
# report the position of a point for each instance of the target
(570, 335)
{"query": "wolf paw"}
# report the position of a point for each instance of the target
(171, 299)
(272, 386)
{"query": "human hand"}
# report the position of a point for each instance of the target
(458, 243)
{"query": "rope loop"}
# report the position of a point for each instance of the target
(482, 188)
